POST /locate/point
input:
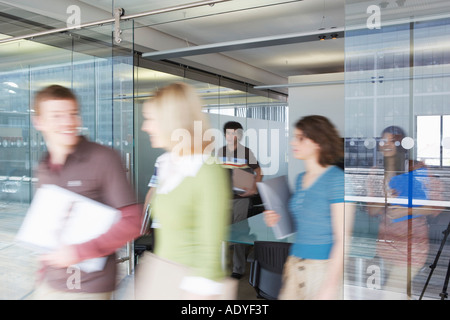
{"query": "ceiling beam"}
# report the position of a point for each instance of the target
(244, 44)
(110, 20)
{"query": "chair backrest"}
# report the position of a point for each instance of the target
(271, 255)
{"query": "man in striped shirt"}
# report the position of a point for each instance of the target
(236, 156)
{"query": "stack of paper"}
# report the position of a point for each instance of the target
(58, 217)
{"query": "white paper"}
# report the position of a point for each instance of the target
(59, 217)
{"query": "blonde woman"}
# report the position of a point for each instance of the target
(192, 197)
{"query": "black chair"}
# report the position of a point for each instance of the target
(142, 244)
(266, 268)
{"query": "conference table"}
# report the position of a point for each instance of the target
(248, 231)
(253, 229)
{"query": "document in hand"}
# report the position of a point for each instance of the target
(242, 180)
(59, 217)
(275, 195)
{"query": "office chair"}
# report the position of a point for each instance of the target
(267, 267)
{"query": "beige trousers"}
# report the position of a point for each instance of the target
(303, 278)
(44, 292)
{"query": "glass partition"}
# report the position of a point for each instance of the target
(101, 75)
(395, 157)
(111, 86)
(264, 121)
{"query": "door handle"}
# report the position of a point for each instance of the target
(128, 165)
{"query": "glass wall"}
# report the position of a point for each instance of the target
(111, 86)
(396, 145)
(397, 131)
(223, 101)
(101, 75)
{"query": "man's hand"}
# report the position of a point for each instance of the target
(61, 258)
(248, 192)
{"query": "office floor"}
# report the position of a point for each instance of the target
(18, 269)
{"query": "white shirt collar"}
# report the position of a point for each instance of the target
(174, 169)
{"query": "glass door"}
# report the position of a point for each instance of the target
(100, 72)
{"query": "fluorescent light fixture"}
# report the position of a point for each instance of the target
(11, 84)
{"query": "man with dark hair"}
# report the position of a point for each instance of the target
(235, 156)
(90, 170)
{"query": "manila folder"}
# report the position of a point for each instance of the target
(242, 180)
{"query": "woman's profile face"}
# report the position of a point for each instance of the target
(152, 126)
(303, 148)
(388, 145)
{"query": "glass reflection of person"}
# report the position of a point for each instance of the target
(191, 202)
(403, 230)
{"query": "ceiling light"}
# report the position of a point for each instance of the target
(321, 38)
(11, 84)
(334, 36)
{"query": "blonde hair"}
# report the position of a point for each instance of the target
(178, 110)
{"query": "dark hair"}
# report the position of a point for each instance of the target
(53, 92)
(320, 130)
(397, 132)
(234, 125)
(401, 155)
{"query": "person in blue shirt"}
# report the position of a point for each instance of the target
(314, 268)
(409, 192)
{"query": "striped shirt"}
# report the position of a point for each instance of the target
(240, 158)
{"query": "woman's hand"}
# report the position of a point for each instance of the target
(396, 211)
(271, 218)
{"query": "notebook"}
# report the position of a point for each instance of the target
(242, 180)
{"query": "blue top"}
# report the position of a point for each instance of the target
(410, 185)
(311, 212)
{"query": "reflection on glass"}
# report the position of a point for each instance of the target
(396, 75)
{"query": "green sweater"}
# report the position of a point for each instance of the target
(194, 219)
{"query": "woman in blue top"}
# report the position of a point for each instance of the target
(314, 268)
